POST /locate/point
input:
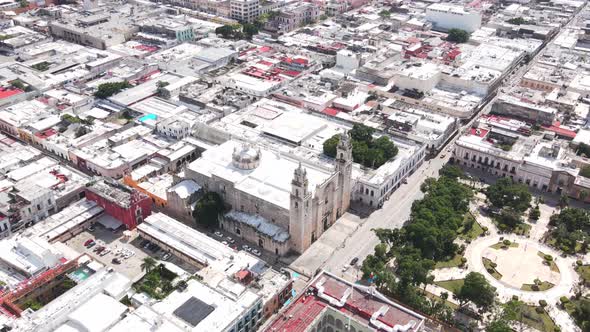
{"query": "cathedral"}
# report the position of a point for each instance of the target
(278, 201)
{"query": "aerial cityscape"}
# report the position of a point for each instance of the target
(295, 166)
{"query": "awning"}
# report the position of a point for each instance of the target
(109, 221)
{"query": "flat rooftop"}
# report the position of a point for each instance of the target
(189, 241)
(270, 181)
(202, 308)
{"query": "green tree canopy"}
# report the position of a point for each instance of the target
(458, 36)
(249, 30)
(509, 218)
(571, 230)
(451, 171)
(506, 193)
(535, 213)
(208, 209)
(330, 146)
(365, 150)
(583, 150)
(385, 13)
(106, 90)
(477, 290)
(582, 314)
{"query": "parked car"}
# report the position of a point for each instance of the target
(246, 247)
(91, 244)
(91, 228)
(225, 243)
(88, 242)
(116, 261)
(99, 249)
(218, 234)
(166, 256)
(230, 240)
(256, 252)
(354, 260)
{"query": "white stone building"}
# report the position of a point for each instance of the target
(445, 16)
(244, 10)
(281, 202)
(531, 160)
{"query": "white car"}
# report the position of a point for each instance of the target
(218, 234)
(224, 243)
(256, 252)
(246, 248)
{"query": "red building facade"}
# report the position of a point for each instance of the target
(124, 203)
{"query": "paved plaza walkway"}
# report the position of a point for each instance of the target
(519, 265)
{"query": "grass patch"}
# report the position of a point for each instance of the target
(584, 272)
(438, 298)
(501, 245)
(454, 262)
(471, 229)
(539, 321)
(544, 285)
(552, 266)
(452, 286)
(522, 229)
(491, 270)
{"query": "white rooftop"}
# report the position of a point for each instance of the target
(225, 308)
(187, 240)
(87, 318)
(270, 181)
(185, 188)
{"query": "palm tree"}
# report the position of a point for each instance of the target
(148, 264)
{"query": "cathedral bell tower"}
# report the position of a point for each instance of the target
(300, 227)
(344, 169)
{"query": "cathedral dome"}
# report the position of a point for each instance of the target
(246, 157)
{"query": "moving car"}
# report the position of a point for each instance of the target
(166, 256)
(354, 260)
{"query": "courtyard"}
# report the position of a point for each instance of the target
(522, 265)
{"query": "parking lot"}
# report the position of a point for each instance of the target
(124, 255)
